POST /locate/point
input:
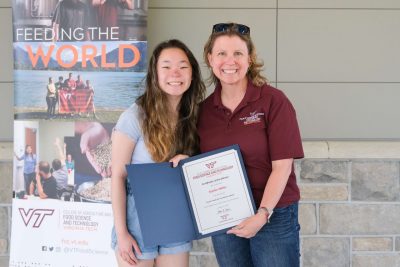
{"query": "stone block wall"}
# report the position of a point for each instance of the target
(349, 212)
(5, 201)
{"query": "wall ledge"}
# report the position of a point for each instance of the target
(352, 149)
(312, 149)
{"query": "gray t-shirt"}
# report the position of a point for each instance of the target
(61, 177)
(129, 124)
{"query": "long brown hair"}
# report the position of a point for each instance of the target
(256, 66)
(26, 148)
(163, 137)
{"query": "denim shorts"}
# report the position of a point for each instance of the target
(276, 244)
(133, 225)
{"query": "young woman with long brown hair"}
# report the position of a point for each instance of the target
(159, 127)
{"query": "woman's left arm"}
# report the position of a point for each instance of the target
(276, 184)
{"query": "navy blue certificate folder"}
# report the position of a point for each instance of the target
(163, 202)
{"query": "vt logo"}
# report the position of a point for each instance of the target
(211, 164)
(37, 215)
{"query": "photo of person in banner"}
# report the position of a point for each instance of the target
(45, 185)
(80, 20)
(106, 11)
(75, 97)
(51, 99)
(113, 14)
(77, 65)
(69, 16)
(77, 14)
(60, 170)
(29, 159)
(79, 156)
(54, 39)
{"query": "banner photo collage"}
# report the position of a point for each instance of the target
(77, 65)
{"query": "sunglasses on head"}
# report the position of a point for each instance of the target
(224, 27)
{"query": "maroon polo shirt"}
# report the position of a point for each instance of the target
(265, 127)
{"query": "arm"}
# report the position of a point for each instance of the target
(277, 181)
(93, 134)
(122, 149)
(55, 22)
(55, 30)
(18, 158)
(61, 151)
(51, 88)
(276, 184)
(89, 99)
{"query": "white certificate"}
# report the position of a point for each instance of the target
(218, 191)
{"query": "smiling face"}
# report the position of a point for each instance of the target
(229, 60)
(174, 72)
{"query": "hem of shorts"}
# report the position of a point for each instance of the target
(143, 256)
(187, 247)
(163, 251)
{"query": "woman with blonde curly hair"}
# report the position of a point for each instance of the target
(245, 110)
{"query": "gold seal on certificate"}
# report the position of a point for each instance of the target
(218, 191)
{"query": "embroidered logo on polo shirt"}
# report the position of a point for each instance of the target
(253, 118)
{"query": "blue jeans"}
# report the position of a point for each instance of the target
(275, 245)
(28, 178)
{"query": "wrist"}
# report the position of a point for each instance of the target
(265, 212)
(121, 231)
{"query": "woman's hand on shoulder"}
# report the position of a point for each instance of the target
(125, 244)
(249, 227)
(175, 160)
